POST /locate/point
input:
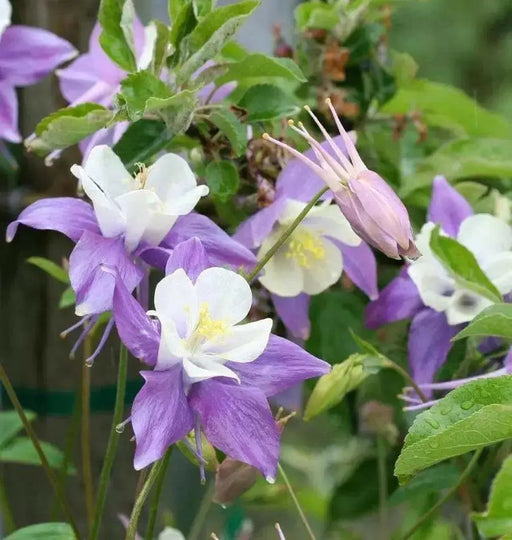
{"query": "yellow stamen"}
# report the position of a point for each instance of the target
(209, 328)
(142, 174)
(305, 247)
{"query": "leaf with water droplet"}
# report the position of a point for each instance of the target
(472, 416)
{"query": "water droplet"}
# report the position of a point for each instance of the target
(466, 405)
(432, 423)
(445, 410)
(223, 506)
(89, 363)
(434, 444)
(120, 428)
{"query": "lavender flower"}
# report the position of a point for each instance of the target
(210, 373)
(367, 201)
(425, 291)
(26, 56)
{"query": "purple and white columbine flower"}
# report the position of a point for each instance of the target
(131, 219)
(210, 373)
(426, 293)
(316, 253)
(372, 208)
(26, 56)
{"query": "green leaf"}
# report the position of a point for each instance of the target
(176, 111)
(404, 67)
(447, 107)
(21, 450)
(316, 15)
(202, 7)
(50, 268)
(472, 416)
(330, 389)
(68, 126)
(10, 424)
(498, 518)
(138, 88)
(67, 298)
(211, 34)
(495, 320)
(183, 22)
(462, 265)
(175, 6)
(116, 20)
(160, 48)
(133, 145)
(222, 179)
(43, 531)
(259, 65)
(232, 128)
(463, 158)
(267, 102)
(433, 480)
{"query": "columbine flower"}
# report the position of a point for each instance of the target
(375, 212)
(316, 253)
(210, 372)
(26, 56)
(425, 292)
(130, 219)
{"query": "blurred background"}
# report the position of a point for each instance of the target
(467, 43)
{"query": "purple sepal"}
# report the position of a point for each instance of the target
(137, 331)
(155, 256)
(238, 421)
(429, 344)
(161, 415)
(9, 114)
(66, 215)
(255, 229)
(189, 255)
(361, 267)
(397, 301)
(219, 246)
(294, 312)
(282, 365)
(94, 288)
(447, 207)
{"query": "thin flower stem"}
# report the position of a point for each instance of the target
(50, 473)
(112, 443)
(407, 377)
(153, 512)
(465, 474)
(302, 515)
(86, 434)
(202, 513)
(141, 499)
(5, 510)
(383, 486)
(287, 233)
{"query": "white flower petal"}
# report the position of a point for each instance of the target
(170, 177)
(434, 284)
(106, 169)
(227, 295)
(324, 272)
(243, 343)
(485, 236)
(171, 348)
(329, 221)
(198, 369)
(282, 275)
(5, 15)
(150, 35)
(158, 227)
(175, 299)
(499, 270)
(110, 218)
(464, 306)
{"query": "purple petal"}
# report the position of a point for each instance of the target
(136, 330)
(447, 207)
(94, 287)
(66, 215)
(220, 247)
(9, 114)
(429, 343)
(282, 365)
(29, 54)
(397, 301)
(360, 265)
(153, 255)
(238, 421)
(254, 230)
(78, 79)
(161, 415)
(108, 136)
(297, 181)
(189, 255)
(294, 312)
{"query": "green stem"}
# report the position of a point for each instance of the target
(301, 513)
(141, 499)
(383, 486)
(50, 473)
(112, 443)
(5, 510)
(86, 435)
(449, 494)
(202, 513)
(153, 512)
(287, 233)
(407, 377)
